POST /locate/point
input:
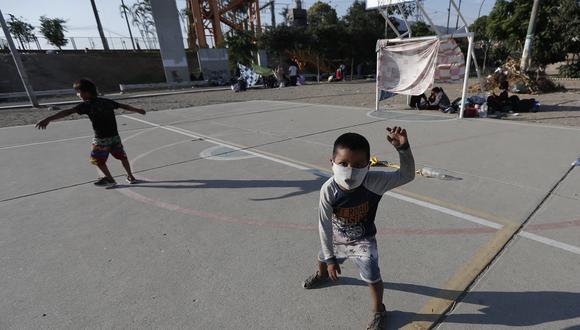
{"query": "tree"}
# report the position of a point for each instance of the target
(21, 30)
(142, 18)
(241, 46)
(507, 23)
(321, 13)
(364, 28)
(53, 30)
(420, 29)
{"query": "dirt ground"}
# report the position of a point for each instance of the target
(562, 108)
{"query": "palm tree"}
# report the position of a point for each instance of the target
(99, 26)
(142, 18)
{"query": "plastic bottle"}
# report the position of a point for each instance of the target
(429, 172)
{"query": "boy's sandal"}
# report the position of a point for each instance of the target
(130, 180)
(379, 321)
(314, 280)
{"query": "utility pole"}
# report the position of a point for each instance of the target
(99, 26)
(18, 62)
(273, 14)
(526, 55)
(448, 16)
(128, 25)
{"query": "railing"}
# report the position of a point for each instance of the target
(90, 43)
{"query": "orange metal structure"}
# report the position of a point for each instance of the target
(207, 17)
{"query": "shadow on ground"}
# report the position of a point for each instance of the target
(301, 186)
(516, 309)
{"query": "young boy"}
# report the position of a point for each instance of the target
(101, 112)
(347, 210)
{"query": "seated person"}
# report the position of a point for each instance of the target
(438, 100)
(497, 102)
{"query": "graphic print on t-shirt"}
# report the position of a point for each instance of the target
(354, 214)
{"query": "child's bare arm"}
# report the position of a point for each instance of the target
(61, 114)
(131, 108)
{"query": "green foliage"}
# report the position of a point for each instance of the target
(363, 29)
(21, 30)
(53, 30)
(420, 29)
(479, 28)
(284, 38)
(557, 28)
(321, 14)
(142, 18)
(240, 47)
(570, 70)
(329, 39)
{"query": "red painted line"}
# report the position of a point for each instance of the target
(555, 225)
(279, 225)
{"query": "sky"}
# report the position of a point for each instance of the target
(82, 26)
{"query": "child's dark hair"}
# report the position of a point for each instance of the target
(85, 85)
(353, 142)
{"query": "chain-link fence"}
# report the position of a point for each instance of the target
(89, 43)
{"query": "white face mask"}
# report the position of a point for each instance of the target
(349, 177)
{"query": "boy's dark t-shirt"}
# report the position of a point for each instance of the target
(101, 112)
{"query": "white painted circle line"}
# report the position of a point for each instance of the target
(411, 200)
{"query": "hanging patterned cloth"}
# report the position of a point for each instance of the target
(248, 75)
(407, 68)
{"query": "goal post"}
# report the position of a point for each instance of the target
(469, 37)
(383, 5)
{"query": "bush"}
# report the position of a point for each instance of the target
(569, 70)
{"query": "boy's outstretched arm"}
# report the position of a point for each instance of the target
(61, 114)
(131, 108)
(381, 182)
(325, 230)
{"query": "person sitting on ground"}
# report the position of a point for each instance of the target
(498, 102)
(438, 100)
(415, 101)
(101, 112)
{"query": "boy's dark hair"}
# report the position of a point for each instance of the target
(504, 84)
(85, 85)
(353, 142)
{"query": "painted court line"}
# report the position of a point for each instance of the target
(551, 242)
(460, 215)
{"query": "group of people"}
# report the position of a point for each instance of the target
(287, 78)
(437, 100)
(348, 200)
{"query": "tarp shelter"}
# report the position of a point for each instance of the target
(407, 65)
(262, 71)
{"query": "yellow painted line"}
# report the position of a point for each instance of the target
(444, 300)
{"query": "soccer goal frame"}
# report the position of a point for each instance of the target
(384, 5)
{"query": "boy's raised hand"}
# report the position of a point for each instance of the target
(333, 271)
(397, 136)
(42, 124)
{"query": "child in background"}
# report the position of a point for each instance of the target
(101, 112)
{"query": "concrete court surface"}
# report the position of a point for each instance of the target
(222, 229)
